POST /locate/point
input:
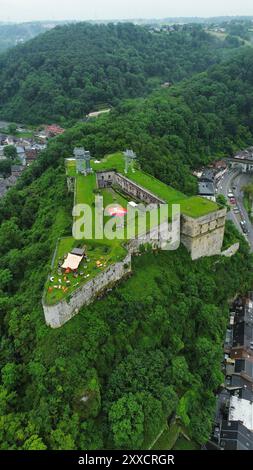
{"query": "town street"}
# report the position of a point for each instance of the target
(234, 180)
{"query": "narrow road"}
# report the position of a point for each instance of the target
(241, 180)
(233, 180)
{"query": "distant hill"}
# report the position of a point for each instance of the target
(194, 19)
(72, 69)
(12, 34)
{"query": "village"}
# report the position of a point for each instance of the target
(233, 428)
(19, 148)
(224, 181)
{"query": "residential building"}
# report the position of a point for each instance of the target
(207, 190)
(54, 130)
(16, 170)
(233, 427)
(235, 436)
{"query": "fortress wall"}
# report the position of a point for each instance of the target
(108, 178)
(71, 184)
(204, 236)
(136, 191)
(105, 178)
(155, 238)
(58, 314)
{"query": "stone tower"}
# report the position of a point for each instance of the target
(130, 156)
(83, 159)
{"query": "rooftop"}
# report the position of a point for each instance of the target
(243, 335)
(206, 188)
(241, 410)
(235, 436)
(244, 366)
(78, 252)
(238, 381)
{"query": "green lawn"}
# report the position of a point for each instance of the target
(155, 186)
(65, 245)
(110, 196)
(84, 189)
(191, 206)
(197, 206)
(85, 186)
(63, 285)
(168, 438)
(183, 444)
(70, 168)
(113, 161)
(25, 134)
(171, 438)
(112, 251)
(116, 161)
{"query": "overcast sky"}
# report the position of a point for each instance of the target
(27, 10)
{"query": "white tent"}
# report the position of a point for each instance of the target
(72, 262)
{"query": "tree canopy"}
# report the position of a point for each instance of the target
(74, 69)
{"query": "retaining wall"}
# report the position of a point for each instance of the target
(58, 314)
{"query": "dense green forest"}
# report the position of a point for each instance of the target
(153, 346)
(70, 70)
(149, 349)
(175, 130)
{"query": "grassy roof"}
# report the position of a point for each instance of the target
(194, 206)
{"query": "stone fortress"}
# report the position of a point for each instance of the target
(202, 236)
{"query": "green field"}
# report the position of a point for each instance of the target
(60, 285)
(191, 206)
(168, 438)
(172, 438)
(197, 206)
(84, 189)
(185, 444)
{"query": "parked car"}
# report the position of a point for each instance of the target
(244, 226)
